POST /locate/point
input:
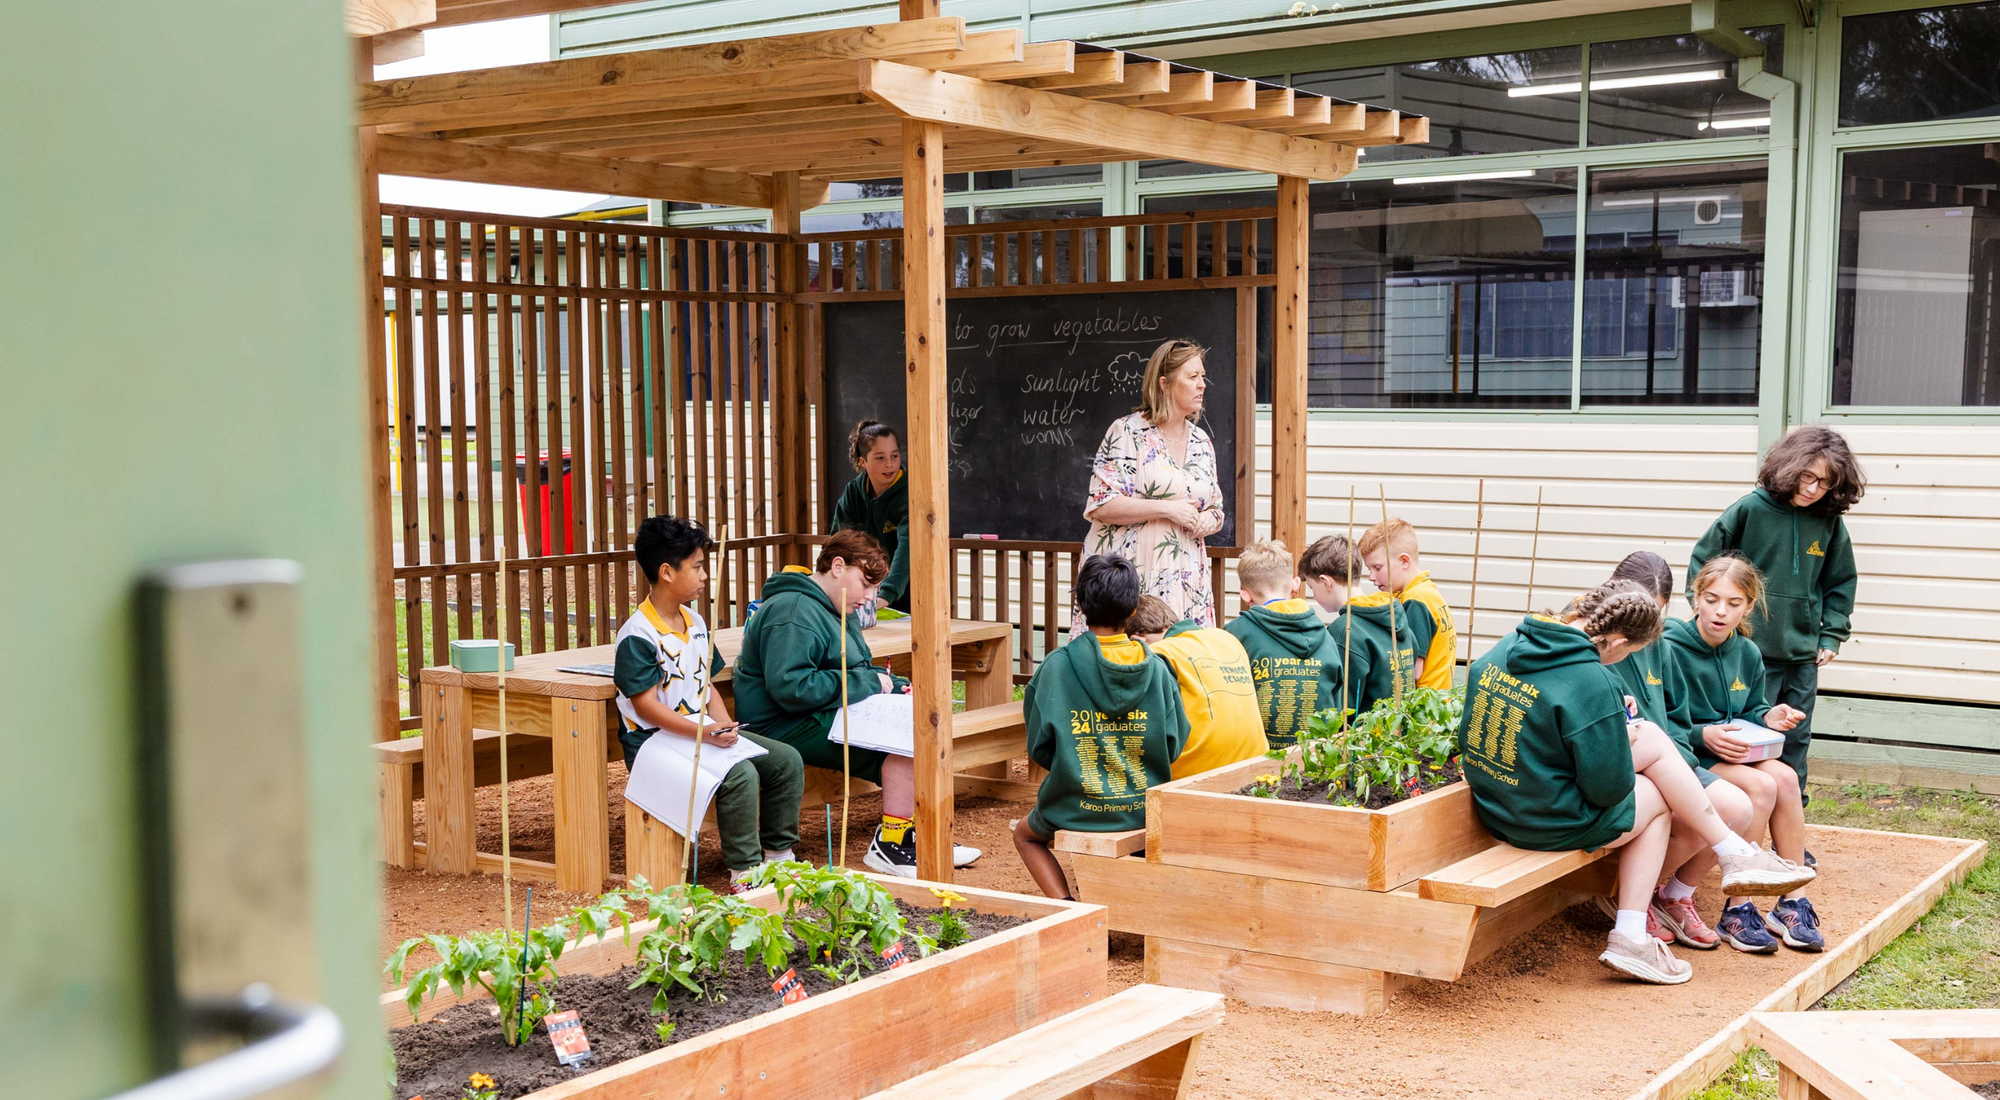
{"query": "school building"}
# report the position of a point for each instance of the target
(1778, 212)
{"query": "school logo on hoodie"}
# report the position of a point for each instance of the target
(1814, 549)
(1652, 680)
(1738, 685)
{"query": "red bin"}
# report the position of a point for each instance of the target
(569, 503)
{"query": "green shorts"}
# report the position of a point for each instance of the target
(1707, 777)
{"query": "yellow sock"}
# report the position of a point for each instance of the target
(895, 829)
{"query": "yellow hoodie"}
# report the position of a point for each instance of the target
(1442, 654)
(1225, 723)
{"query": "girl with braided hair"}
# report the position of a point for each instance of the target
(1555, 764)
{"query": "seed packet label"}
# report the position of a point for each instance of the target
(566, 1034)
(894, 955)
(790, 987)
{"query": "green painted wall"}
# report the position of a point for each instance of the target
(178, 378)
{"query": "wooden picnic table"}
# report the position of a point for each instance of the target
(578, 712)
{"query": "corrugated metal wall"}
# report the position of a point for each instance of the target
(1927, 536)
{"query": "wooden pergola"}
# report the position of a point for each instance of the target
(771, 122)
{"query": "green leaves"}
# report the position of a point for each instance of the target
(503, 963)
(1385, 749)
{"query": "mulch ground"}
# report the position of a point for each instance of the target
(1538, 1018)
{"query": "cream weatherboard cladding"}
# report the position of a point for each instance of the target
(1927, 537)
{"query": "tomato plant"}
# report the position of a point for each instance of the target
(520, 981)
(1385, 749)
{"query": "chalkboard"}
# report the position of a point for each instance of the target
(1034, 381)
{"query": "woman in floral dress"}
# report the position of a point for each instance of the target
(1154, 494)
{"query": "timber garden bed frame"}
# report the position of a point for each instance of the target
(770, 123)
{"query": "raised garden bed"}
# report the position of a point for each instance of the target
(848, 1040)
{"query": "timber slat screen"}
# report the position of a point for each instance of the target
(570, 348)
(596, 340)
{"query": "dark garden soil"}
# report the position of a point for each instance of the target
(435, 1058)
(1990, 1090)
(1292, 790)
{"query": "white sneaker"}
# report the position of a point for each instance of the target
(785, 856)
(962, 856)
(1762, 873)
(1649, 961)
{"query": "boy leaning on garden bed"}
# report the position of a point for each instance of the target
(1104, 717)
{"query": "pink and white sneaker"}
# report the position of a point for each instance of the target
(1682, 923)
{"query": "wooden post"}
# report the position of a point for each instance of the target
(916, 9)
(375, 365)
(791, 443)
(925, 452)
(1288, 368)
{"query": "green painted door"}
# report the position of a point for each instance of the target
(178, 380)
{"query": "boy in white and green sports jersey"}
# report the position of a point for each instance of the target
(664, 667)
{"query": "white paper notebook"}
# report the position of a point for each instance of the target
(664, 768)
(884, 723)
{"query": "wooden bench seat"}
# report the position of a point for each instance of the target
(1500, 874)
(1140, 1044)
(399, 774)
(1131, 842)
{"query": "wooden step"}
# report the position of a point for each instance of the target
(1500, 874)
(1145, 1037)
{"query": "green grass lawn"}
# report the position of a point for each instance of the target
(1949, 959)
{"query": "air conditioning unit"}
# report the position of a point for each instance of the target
(1720, 289)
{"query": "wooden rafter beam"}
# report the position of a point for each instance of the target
(1025, 112)
(407, 156)
(1226, 95)
(1090, 70)
(982, 49)
(639, 121)
(1141, 78)
(817, 123)
(1415, 130)
(367, 18)
(1182, 89)
(802, 82)
(1311, 110)
(612, 73)
(1272, 103)
(1342, 121)
(1037, 59)
(387, 49)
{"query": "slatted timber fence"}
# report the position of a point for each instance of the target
(647, 358)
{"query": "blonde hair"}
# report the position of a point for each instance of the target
(1168, 360)
(1394, 534)
(1737, 571)
(1266, 566)
(1152, 616)
(1617, 607)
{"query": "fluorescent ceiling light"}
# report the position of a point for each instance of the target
(1609, 83)
(1666, 200)
(1509, 174)
(1734, 123)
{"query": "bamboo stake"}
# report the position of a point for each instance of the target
(1472, 608)
(1535, 550)
(700, 732)
(846, 768)
(500, 666)
(1395, 646)
(1347, 568)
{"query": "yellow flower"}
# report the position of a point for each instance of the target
(1268, 780)
(735, 922)
(945, 896)
(480, 1081)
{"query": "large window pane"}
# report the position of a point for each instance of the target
(1055, 175)
(888, 187)
(1495, 103)
(1674, 87)
(1908, 66)
(1239, 256)
(1674, 281)
(1917, 317)
(1443, 295)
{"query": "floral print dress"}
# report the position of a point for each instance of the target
(1133, 461)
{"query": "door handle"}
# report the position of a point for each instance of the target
(225, 834)
(284, 1044)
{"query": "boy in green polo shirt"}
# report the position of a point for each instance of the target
(1294, 661)
(1104, 717)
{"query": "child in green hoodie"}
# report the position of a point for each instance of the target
(1293, 659)
(1790, 528)
(1104, 717)
(1652, 681)
(1373, 636)
(878, 501)
(1555, 765)
(1723, 677)
(788, 679)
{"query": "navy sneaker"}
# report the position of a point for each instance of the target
(1810, 861)
(1742, 927)
(1794, 921)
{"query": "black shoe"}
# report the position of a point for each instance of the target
(1810, 861)
(885, 858)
